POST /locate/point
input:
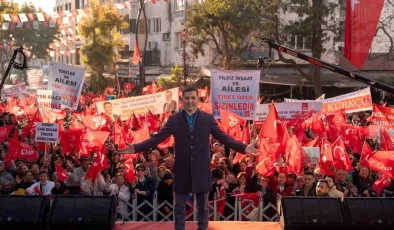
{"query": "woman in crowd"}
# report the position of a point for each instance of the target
(122, 192)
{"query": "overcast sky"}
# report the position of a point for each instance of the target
(46, 5)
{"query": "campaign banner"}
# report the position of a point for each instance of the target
(47, 132)
(67, 82)
(287, 110)
(49, 99)
(35, 77)
(352, 102)
(157, 103)
(13, 90)
(236, 91)
(382, 115)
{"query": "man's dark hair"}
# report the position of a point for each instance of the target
(189, 89)
(324, 181)
(309, 173)
(168, 91)
(43, 172)
(332, 178)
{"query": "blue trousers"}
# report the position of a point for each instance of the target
(202, 210)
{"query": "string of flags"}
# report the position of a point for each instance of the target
(44, 19)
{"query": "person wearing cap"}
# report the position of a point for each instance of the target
(144, 187)
(191, 129)
(84, 165)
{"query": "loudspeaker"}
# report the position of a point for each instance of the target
(368, 213)
(83, 212)
(299, 213)
(23, 212)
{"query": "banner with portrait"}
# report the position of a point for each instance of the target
(66, 81)
(157, 103)
(235, 91)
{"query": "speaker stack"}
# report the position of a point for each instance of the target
(303, 213)
(66, 212)
(23, 212)
(83, 212)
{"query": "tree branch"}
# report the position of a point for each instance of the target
(295, 65)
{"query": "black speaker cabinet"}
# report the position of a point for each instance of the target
(300, 213)
(370, 213)
(83, 212)
(23, 212)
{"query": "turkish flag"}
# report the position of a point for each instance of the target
(61, 173)
(326, 154)
(221, 203)
(128, 86)
(167, 143)
(136, 55)
(269, 128)
(206, 107)
(386, 140)
(362, 17)
(99, 163)
(294, 155)
(152, 121)
(341, 157)
(266, 167)
(130, 173)
(366, 152)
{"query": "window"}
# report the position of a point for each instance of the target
(179, 5)
(133, 25)
(152, 57)
(166, 37)
(127, 29)
(77, 57)
(156, 25)
(178, 41)
(66, 6)
(148, 25)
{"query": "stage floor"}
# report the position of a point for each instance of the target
(191, 225)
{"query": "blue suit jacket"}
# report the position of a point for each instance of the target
(192, 169)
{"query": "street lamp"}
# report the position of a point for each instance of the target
(141, 39)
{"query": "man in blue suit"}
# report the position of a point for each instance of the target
(191, 129)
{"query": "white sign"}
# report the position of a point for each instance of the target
(313, 153)
(35, 77)
(352, 102)
(49, 99)
(290, 110)
(47, 132)
(13, 90)
(235, 91)
(157, 103)
(66, 81)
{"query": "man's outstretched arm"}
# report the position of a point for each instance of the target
(225, 139)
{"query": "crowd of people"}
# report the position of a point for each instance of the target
(154, 172)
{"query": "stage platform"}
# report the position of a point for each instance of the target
(191, 225)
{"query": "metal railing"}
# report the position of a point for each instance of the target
(233, 211)
(236, 209)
